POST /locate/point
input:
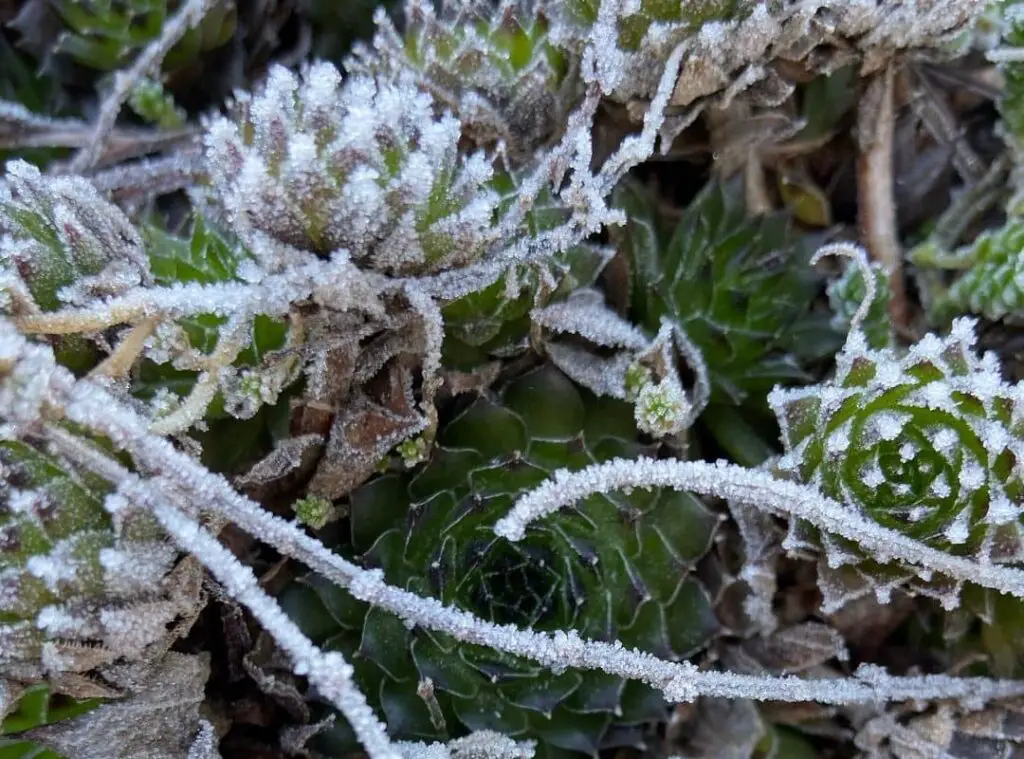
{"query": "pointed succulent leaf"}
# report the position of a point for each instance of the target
(992, 283)
(105, 34)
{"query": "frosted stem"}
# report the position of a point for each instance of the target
(124, 81)
(759, 489)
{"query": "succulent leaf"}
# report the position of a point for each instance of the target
(616, 567)
(104, 34)
(992, 284)
(928, 444)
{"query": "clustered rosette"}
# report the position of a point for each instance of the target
(930, 443)
(498, 72)
(364, 164)
(614, 567)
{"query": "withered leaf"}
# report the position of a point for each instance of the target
(159, 720)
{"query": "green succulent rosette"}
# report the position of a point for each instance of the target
(498, 73)
(741, 288)
(77, 592)
(929, 444)
(57, 232)
(362, 164)
(614, 567)
(990, 275)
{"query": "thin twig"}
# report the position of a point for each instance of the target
(763, 491)
(679, 681)
(875, 129)
(120, 362)
(125, 81)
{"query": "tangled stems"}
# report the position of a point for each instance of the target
(174, 478)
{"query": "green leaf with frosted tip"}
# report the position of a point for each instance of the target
(105, 34)
(993, 283)
(687, 15)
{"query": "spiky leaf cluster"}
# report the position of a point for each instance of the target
(105, 34)
(616, 566)
(79, 590)
(993, 283)
(496, 71)
(741, 288)
(363, 165)
(60, 241)
(930, 443)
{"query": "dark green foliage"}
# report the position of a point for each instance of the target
(105, 34)
(742, 289)
(616, 567)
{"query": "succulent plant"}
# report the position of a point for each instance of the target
(363, 165)
(930, 444)
(617, 567)
(742, 289)
(991, 278)
(496, 71)
(80, 592)
(105, 34)
(679, 18)
(60, 240)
